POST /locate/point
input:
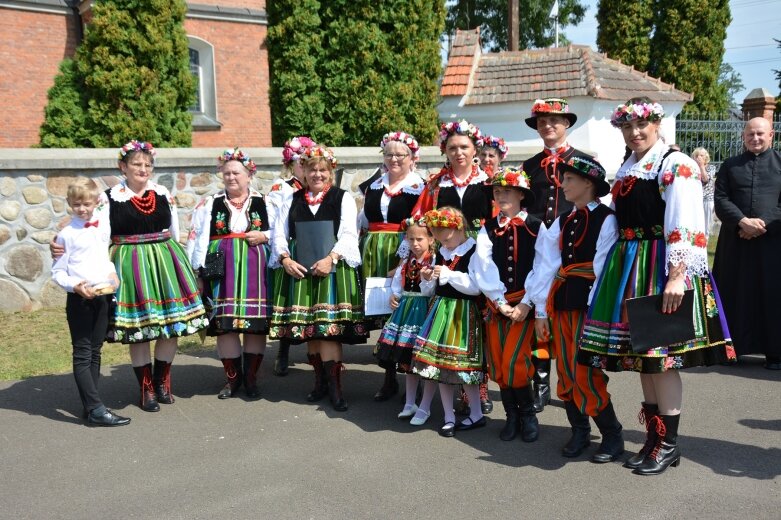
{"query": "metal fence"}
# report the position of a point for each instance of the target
(721, 134)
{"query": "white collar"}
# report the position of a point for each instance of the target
(647, 167)
(564, 145)
(521, 215)
(121, 193)
(460, 250)
(412, 183)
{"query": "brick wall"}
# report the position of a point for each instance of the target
(33, 45)
(241, 70)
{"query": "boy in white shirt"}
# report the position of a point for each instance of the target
(86, 272)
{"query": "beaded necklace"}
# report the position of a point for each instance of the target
(237, 205)
(317, 199)
(460, 184)
(146, 204)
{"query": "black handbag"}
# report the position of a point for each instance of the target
(214, 266)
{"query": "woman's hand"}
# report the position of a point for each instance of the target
(673, 290)
(293, 268)
(542, 329)
(394, 302)
(255, 238)
(323, 266)
(56, 250)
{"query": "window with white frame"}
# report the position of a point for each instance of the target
(204, 109)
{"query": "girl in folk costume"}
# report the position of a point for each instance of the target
(410, 305)
(661, 250)
(388, 201)
(460, 184)
(233, 224)
(278, 202)
(493, 151)
(570, 255)
(508, 240)
(312, 304)
(449, 348)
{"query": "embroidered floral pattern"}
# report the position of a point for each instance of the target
(255, 221)
(695, 238)
(641, 233)
(677, 170)
(221, 224)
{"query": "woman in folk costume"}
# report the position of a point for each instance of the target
(278, 202)
(460, 184)
(493, 150)
(449, 348)
(508, 240)
(570, 255)
(158, 295)
(322, 303)
(410, 304)
(232, 227)
(661, 250)
(388, 201)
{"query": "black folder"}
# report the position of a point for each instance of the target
(649, 328)
(314, 240)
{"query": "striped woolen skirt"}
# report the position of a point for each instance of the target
(397, 339)
(318, 307)
(378, 257)
(158, 294)
(449, 348)
(239, 302)
(637, 268)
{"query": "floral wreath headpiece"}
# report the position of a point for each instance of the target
(635, 111)
(462, 127)
(550, 107)
(444, 218)
(137, 146)
(404, 138)
(512, 177)
(495, 142)
(311, 152)
(295, 147)
(409, 222)
(238, 155)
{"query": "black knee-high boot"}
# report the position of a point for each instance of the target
(612, 445)
(321, 380)
(282, 360)
(333, 370)
(530, 426)
(161, 380)
(251, 365)
(513, 425)
(646, 415)
(148, 399)
(541, 383)
(581, 431)
(390, 385)
(666, 452)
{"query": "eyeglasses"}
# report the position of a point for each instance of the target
(397, 156)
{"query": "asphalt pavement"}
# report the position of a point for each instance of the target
(283, 458)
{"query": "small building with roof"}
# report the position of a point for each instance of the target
(496, 91)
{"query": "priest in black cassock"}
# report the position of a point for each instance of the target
(746, 268)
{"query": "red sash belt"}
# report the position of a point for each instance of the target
(145, 238)
(384, 226)
(229, 235)
(583, 270)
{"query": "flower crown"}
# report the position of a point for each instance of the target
(238, 155)
(635, 111)
(511, 177)
(444, 218)
(462, 127)
(550, 105)
(412, 221)
(137, 146)
(295, 147)
(319, 151)
(495, 142)
(403, 138)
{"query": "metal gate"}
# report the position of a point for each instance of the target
(721, 135)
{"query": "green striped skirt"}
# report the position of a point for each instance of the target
(158, 294)
(378, 256)
(318, 307)
(636, 268)
(449, 348)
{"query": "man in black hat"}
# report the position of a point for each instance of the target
(551, 118)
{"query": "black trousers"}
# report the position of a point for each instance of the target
(88, 322)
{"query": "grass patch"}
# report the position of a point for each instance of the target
(38, 343)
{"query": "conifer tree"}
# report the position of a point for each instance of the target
(624, 31)
(132, 75)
